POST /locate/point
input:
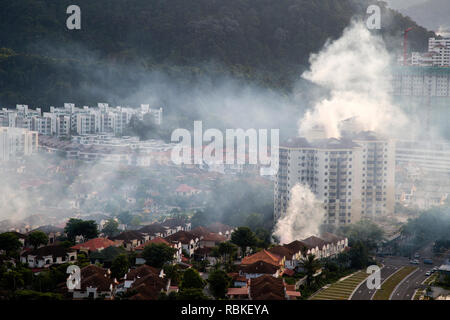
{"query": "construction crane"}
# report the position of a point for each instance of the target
(405, 46)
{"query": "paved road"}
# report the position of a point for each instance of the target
(406, 290)
(391, 265)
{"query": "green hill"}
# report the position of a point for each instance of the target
(264, 41)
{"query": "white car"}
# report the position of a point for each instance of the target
(428, 273)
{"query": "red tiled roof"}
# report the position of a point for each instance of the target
(214, 237)
(200, 231)
(267, 287)
(259, 267)
(238, 291)
(148, 287)
(182, 236)
(263, 255)
(154, 240)
(296, 246)
(142, 271)
(184, 188)
(313, 242)
(95, 244)
(282, 251)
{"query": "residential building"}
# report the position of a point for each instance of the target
(330, 169)
(17, 143)
(425, 155)
(69, 119)
(351, 178)
(46, 256)
(93, 245)
(189, 241)
(95, 283)
(130, 239)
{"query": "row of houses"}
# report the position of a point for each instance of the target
(283, 259)
(141, 283)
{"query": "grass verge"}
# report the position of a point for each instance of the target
(389, 285)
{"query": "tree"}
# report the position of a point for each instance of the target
(158, 254)
(10, 243)
(172, 272)
(227, 250)
(219, 282)
(310, 264)
(82, 260)
(192, 280)
(37, 238)
(365, 231)
(359, 255)
(120, 266)
(111, 228)
(243, 237)
(77, 227)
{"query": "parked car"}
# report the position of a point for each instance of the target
(415, 261)
(428, 273)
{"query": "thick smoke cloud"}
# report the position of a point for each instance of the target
(356, 71)
(302, 218)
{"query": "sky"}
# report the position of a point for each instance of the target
(432, 14)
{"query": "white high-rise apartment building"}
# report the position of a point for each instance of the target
(350, 178)
(438, 54)
(378, 175)
(427, 156)
(441, 48)
(421, 82)
(69, 119)
(17, 142)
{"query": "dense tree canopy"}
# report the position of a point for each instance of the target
(77, 227)
(111, 228)
(192, 280)
(243, 237)
(158, 254)
(10, 243)
(266, 41)
(36, 238)
(219, 282)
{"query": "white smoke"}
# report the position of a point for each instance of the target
(302, 218)
(356, 71)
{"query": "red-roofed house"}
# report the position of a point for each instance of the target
(265, 256)
(95, 245)
(185, 190)
(175, 245)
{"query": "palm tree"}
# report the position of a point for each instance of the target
(310, 264)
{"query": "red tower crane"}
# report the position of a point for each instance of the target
(405, 46)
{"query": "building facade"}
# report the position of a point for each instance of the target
(17, 142)
(350, 178)
(69, 119)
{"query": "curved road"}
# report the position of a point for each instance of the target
(406, 289)
(391, 265)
